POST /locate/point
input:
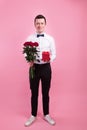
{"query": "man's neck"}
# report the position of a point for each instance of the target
(40, 32)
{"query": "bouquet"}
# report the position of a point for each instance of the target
(45, 56)
(30, 51)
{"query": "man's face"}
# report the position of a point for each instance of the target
(40, 25)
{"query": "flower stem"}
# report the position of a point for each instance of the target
(32, 72)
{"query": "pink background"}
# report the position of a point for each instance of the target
(67, 23)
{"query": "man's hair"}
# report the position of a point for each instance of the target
(40, 16)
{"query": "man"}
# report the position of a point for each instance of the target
(42, 70)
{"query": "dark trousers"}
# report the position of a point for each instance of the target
(43, 73)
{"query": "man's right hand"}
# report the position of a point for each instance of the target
(31, 64)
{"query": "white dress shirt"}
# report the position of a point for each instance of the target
(46, 43)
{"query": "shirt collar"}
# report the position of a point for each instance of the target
(40, 33)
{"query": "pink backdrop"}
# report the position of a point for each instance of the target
(67, 23)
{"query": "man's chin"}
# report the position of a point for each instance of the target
(40, 31)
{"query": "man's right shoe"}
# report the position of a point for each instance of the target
(30, 120)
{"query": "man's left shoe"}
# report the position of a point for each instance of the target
(49, 120)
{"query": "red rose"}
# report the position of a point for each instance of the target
(45, 56)
(28, 44)
(35, 44)
(31, 44)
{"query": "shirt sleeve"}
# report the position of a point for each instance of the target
(53, 50)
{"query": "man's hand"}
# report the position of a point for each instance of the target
(31, 64)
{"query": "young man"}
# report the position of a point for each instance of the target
(42, 70)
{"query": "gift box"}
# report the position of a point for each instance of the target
(45, 56)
